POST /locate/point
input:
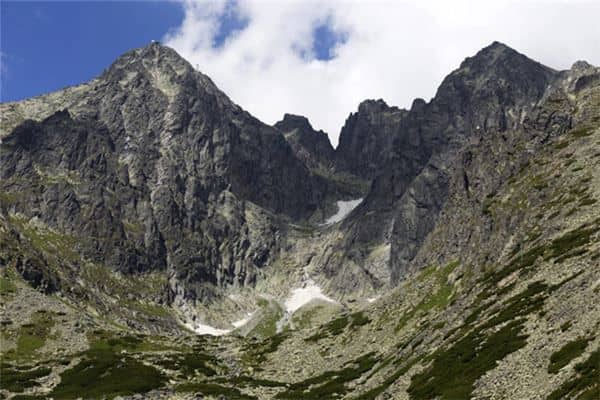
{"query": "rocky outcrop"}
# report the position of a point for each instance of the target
(156, 169)
(310, 146)
(366, 139)
(489, 93)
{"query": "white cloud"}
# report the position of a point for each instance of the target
(395, 50)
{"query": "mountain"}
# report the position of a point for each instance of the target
(310, 146)
(367, 138)
(157, 241)
(150, 153)
(488, 94)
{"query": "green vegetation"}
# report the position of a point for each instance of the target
(189, 364)
(248, 381)
(46, 240)
(457, 367)
(439, 298)
(7, 286)
(271, 313)
(566, 326)
(566, 354)
(377, 390)
(582, 132)
(304, 318)
(358, 319)
(256, 352)
(330, 384)
(213, 389)
(32, 336)
(7, 199)
(338, 325)
(17, 379)
(106, 371)
(585, 385)
(332, 328)
(150, 309)
(556, 249)
(134, 228)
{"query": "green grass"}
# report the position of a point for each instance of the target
(437, 299)
(566, 326)
(330, 384)
(47, 240)
(256, 352)
(18, 379)
(7, 287)
(585, 385)
(207, 389)
(566, 354)
(32, 336)
(331, 328)
(304, 318)
(555, 249)
(372, 394)
(105, 371)
(267, 326)
(190, 364)
(456, 367)
(582, 132)
(358, 319)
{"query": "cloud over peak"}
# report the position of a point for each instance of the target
(321, 58)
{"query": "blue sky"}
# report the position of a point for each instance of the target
(318, 58)
(49, 45)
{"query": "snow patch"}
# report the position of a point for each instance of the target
(203, 329)
(372, 299)
(304, 295)
(242, 321)
(344, 208)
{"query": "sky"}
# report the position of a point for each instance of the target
(318, 58)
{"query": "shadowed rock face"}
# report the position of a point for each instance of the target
(154, 168)
(367, 137)
(489, 93)
(153, 172)
(310, 146)
(484, 206)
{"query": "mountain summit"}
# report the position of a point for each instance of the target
(157, 241)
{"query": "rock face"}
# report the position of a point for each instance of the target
(488, 94)
(310, 146)
(367, 137)
(156, 169)
(153, 170)
(145, 200)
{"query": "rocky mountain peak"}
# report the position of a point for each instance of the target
(370, 106)
(366, 138)
(163, 69)
(151, 206)
(582, 65)
(292, 121)
(502, 63)
(153, 144)
(309, 145)
(153, 55)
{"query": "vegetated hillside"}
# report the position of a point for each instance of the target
(481, 255)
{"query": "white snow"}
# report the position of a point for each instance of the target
(242, 321)
(344, 208)
(303, 295)
(203, 329)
